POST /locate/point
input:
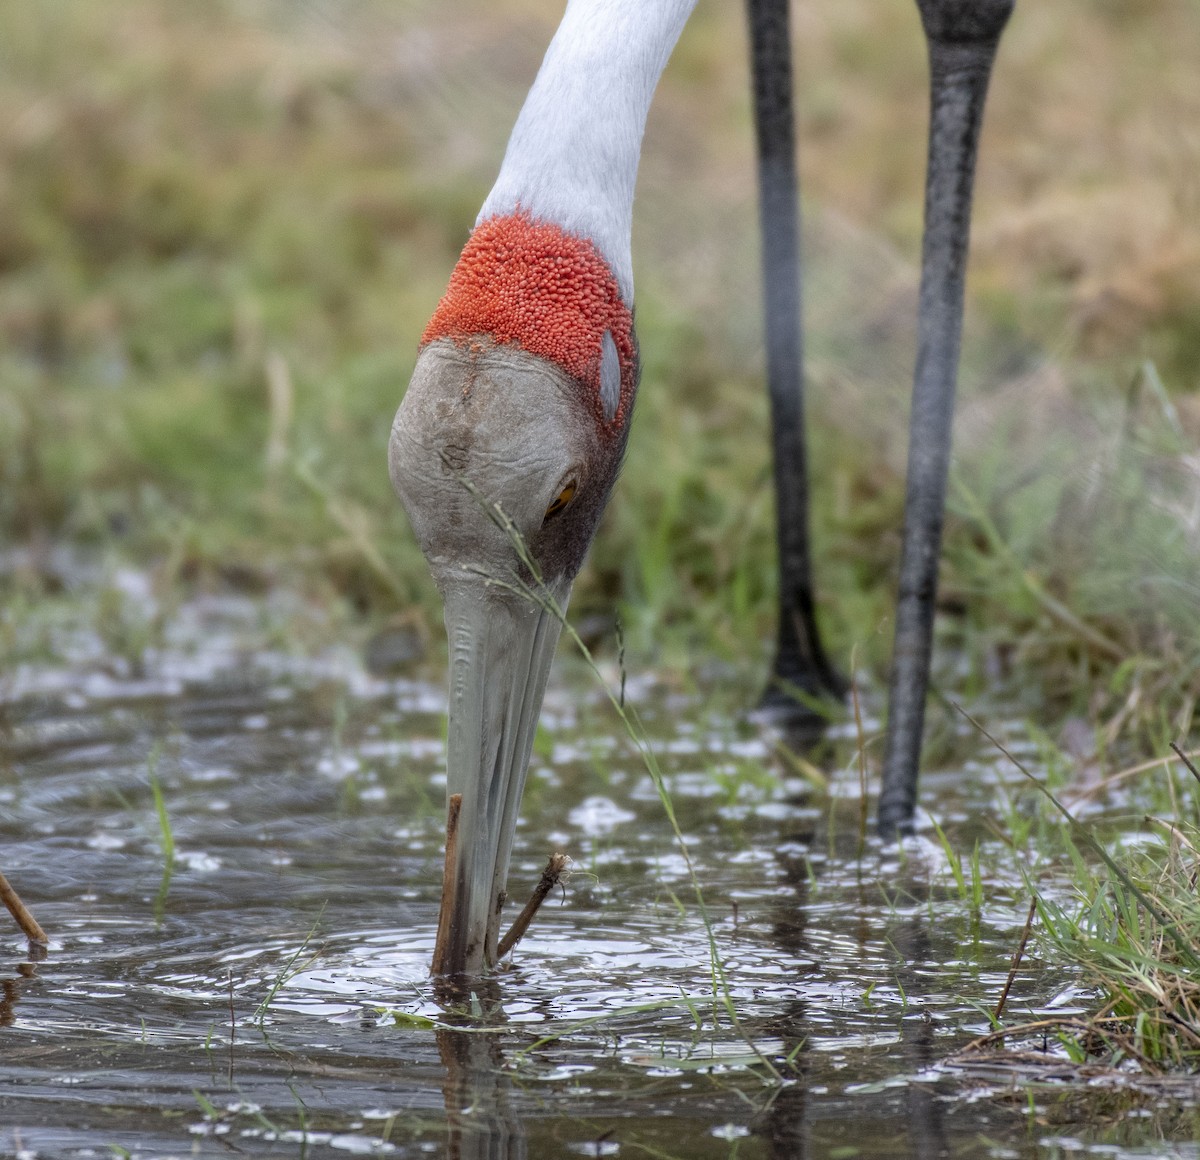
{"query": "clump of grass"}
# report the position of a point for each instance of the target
(1136, 938)
(1152, 994)
(1070, 553)
(1134, 935)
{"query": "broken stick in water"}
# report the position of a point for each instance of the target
(1016, 961)
(550, 877)
(441, 946)
(28, 924)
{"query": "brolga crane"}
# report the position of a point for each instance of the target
(523, 389)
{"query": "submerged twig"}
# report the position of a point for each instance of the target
(441, 946)
(28, 924)
(1107, 1029)
(553, 872)
(1072, 1022)
(1018, 955)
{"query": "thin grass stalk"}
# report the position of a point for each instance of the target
(862, 753)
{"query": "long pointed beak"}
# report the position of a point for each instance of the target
(501, 646)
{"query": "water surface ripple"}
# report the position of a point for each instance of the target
(265, 992)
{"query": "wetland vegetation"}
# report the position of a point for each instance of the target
(222, 228)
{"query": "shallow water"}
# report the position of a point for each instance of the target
(267, 994)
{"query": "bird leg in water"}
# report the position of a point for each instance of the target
(962, 41)
(800, 660)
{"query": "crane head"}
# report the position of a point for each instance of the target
(504, 452)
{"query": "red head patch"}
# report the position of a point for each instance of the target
(532, 285)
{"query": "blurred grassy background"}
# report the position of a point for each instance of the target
(223, 225)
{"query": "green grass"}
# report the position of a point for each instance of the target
(165, 835)
(1123, 915)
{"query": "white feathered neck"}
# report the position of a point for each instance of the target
(573, 155)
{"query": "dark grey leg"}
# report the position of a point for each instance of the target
(800, 660)
(962, 37)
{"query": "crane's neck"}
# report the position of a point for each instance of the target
(548, 267)
(572, 158)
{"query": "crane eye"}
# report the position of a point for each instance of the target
(561, 500)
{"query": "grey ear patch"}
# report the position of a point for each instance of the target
(610, 377)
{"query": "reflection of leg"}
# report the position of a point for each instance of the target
(785, 1127)
(799, 659)
(962, 41)
(785, 1124)
(926, 1129)
(480, 1123)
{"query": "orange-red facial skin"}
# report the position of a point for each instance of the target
(533, 285)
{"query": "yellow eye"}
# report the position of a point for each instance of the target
(561, 500)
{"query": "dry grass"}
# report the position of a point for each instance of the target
(1088, 222)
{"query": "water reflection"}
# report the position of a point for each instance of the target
(12, 988)
(917, 961)
(914, 951)
(305, 808)
(481, 1122)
